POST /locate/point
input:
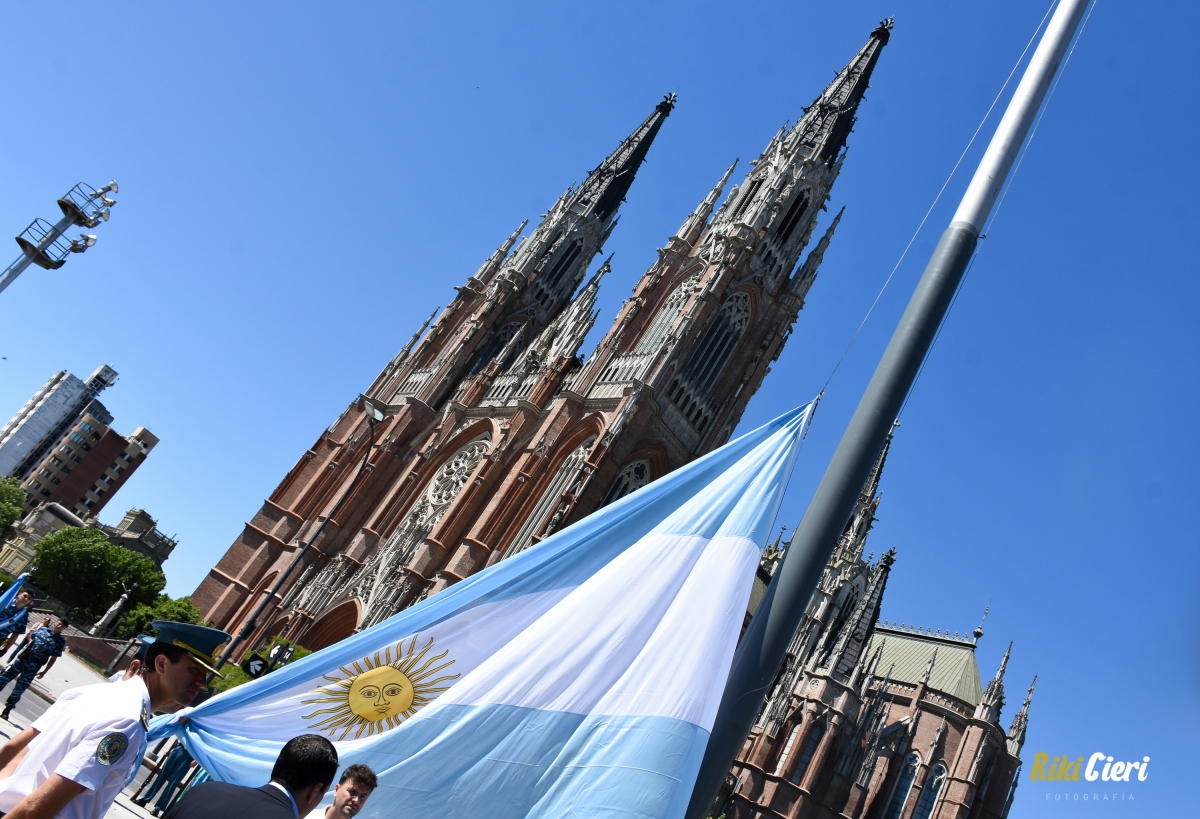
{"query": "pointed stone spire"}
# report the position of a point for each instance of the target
(493, 263)
(993, 696)
(821, 133)
(562, 247)
(856, 632)
(563, 337)
(795, 172)
(1020, 723)
(606, 186)
(400, 358)
(694, 225)
(849, 548)
(802, 280)
(512, 345)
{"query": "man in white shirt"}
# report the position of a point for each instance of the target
(349, 794)
(73, 760)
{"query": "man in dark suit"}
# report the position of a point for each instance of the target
(302, 774)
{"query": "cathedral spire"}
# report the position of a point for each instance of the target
(552, 263)
(698, 220)
(607, 185)
(856, 632)
(822, 131)
(1020, 723)
(493, 263)
(803, 278)
(993, 696)
(791, 180)
(400, 358)
(849, 548)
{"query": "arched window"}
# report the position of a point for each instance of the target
(810, 748)
(379, 583)
(563, 263)
(747, 198)
(787, 749)
(547, 506)
(719, 342)
(929, 794)
(634, 476)
(792, 217)
(662, 322)
(903, 785)
(496, 345)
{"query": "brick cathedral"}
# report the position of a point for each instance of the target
(496, 432)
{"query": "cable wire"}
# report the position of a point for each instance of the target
(942, 190)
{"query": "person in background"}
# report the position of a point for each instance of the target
(303, 772)
(349, 794)
(75, 758)
(14, 619)
(172, 772)
(44, 644)
(135, 665)
(24, 641)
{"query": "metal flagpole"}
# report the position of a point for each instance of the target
(763, 646)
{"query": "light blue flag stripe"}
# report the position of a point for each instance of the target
(548, 762)
(9, 595)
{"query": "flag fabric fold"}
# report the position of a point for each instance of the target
(578, 678)
(8, 596)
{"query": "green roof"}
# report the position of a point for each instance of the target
(954, 672)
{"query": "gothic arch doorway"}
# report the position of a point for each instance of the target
(336, 624)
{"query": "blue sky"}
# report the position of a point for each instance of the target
(302, 184)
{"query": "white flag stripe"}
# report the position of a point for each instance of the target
(580, 653)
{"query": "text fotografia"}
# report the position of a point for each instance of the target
(1099, 766)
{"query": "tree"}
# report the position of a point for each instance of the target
(233, 675)
(142, 615)
(81, 568)
(12, 501)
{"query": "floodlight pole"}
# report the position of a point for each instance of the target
(764, 645)
(373, 416)
(82, 206)
(18, 267)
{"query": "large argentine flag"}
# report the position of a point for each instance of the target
(578, 678)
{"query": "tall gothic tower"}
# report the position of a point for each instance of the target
(497, 433)
(870, 720)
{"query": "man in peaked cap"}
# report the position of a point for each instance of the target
(135, 665)
(74, 759)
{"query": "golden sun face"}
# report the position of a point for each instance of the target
(378, 694)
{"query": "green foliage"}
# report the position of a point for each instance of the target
(139, 618)
(81, 568)
(234, 676)
(6, 580)
(12, 499)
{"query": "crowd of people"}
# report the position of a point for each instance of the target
(73, 760)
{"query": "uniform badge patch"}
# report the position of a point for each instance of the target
(145, 718)
(111, 748)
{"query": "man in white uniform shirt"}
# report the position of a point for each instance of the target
(73, 760)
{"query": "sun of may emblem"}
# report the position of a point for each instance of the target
(378, 693)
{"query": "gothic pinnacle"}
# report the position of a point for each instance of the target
(1004, 663)
(694, 225)
(807, 274)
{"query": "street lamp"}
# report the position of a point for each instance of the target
(43, 244)
(374, 414)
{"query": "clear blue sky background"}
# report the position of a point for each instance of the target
(301, 184)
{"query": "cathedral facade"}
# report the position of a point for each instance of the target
(495, 432)
(875, 720)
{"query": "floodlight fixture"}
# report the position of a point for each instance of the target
(43, 244)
